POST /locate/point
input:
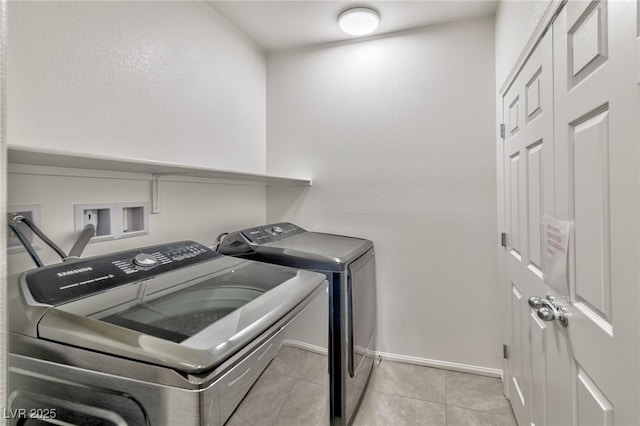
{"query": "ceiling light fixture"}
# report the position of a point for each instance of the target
(359, 21)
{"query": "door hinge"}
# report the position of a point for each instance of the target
(502, 131)
(503, 239)
(505, 351)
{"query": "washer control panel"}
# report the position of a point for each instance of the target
(145, 260)
(273, 232)
(57, 284)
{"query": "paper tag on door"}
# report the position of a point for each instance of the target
(556, 253)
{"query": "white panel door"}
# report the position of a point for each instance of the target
(571, 151)
(529, 195)
(596, 180)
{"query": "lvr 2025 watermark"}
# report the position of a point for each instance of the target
(30, 413)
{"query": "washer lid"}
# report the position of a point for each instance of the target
(338, 249)
(190, 320)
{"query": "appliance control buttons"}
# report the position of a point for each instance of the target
(276, 230)
(145, 260)
(162, 258)
(185, 252)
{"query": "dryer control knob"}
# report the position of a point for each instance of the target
(145, 260)
(277, 230)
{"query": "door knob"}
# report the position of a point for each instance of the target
(546, 314)
(535, 302)
(549, 310)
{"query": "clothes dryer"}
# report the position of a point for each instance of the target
(349, 266)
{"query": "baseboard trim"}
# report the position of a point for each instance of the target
(446, 365)
(306, 346)
(425, 362)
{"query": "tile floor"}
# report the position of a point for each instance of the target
(293, 391)
(404, 394)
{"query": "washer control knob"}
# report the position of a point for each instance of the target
(277, 230)
(145, 260)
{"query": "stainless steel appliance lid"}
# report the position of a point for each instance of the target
(335, 248)
(181, 314)
(287, 244)
(182, 326)
(191, 318)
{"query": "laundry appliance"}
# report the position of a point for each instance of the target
(349, 265)
(172, 334)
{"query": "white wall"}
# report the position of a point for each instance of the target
(163, 81)
(515, 22)
(191, 208)
(397, 134)
(169, 81)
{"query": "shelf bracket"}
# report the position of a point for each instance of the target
(155, 189)
(155, 193)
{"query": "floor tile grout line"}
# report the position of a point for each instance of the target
(446, 380)
(302, 379)
(446, 420)
(240, 417)
(275, 419)
(411, 397)
(295, 377)
(440, 405)
(480, 411)
(408, 397)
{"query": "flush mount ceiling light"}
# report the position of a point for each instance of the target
(359, 21)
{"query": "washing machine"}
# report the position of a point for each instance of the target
(350, 326)
(172, 334)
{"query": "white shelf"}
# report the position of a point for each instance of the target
(74, 160)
